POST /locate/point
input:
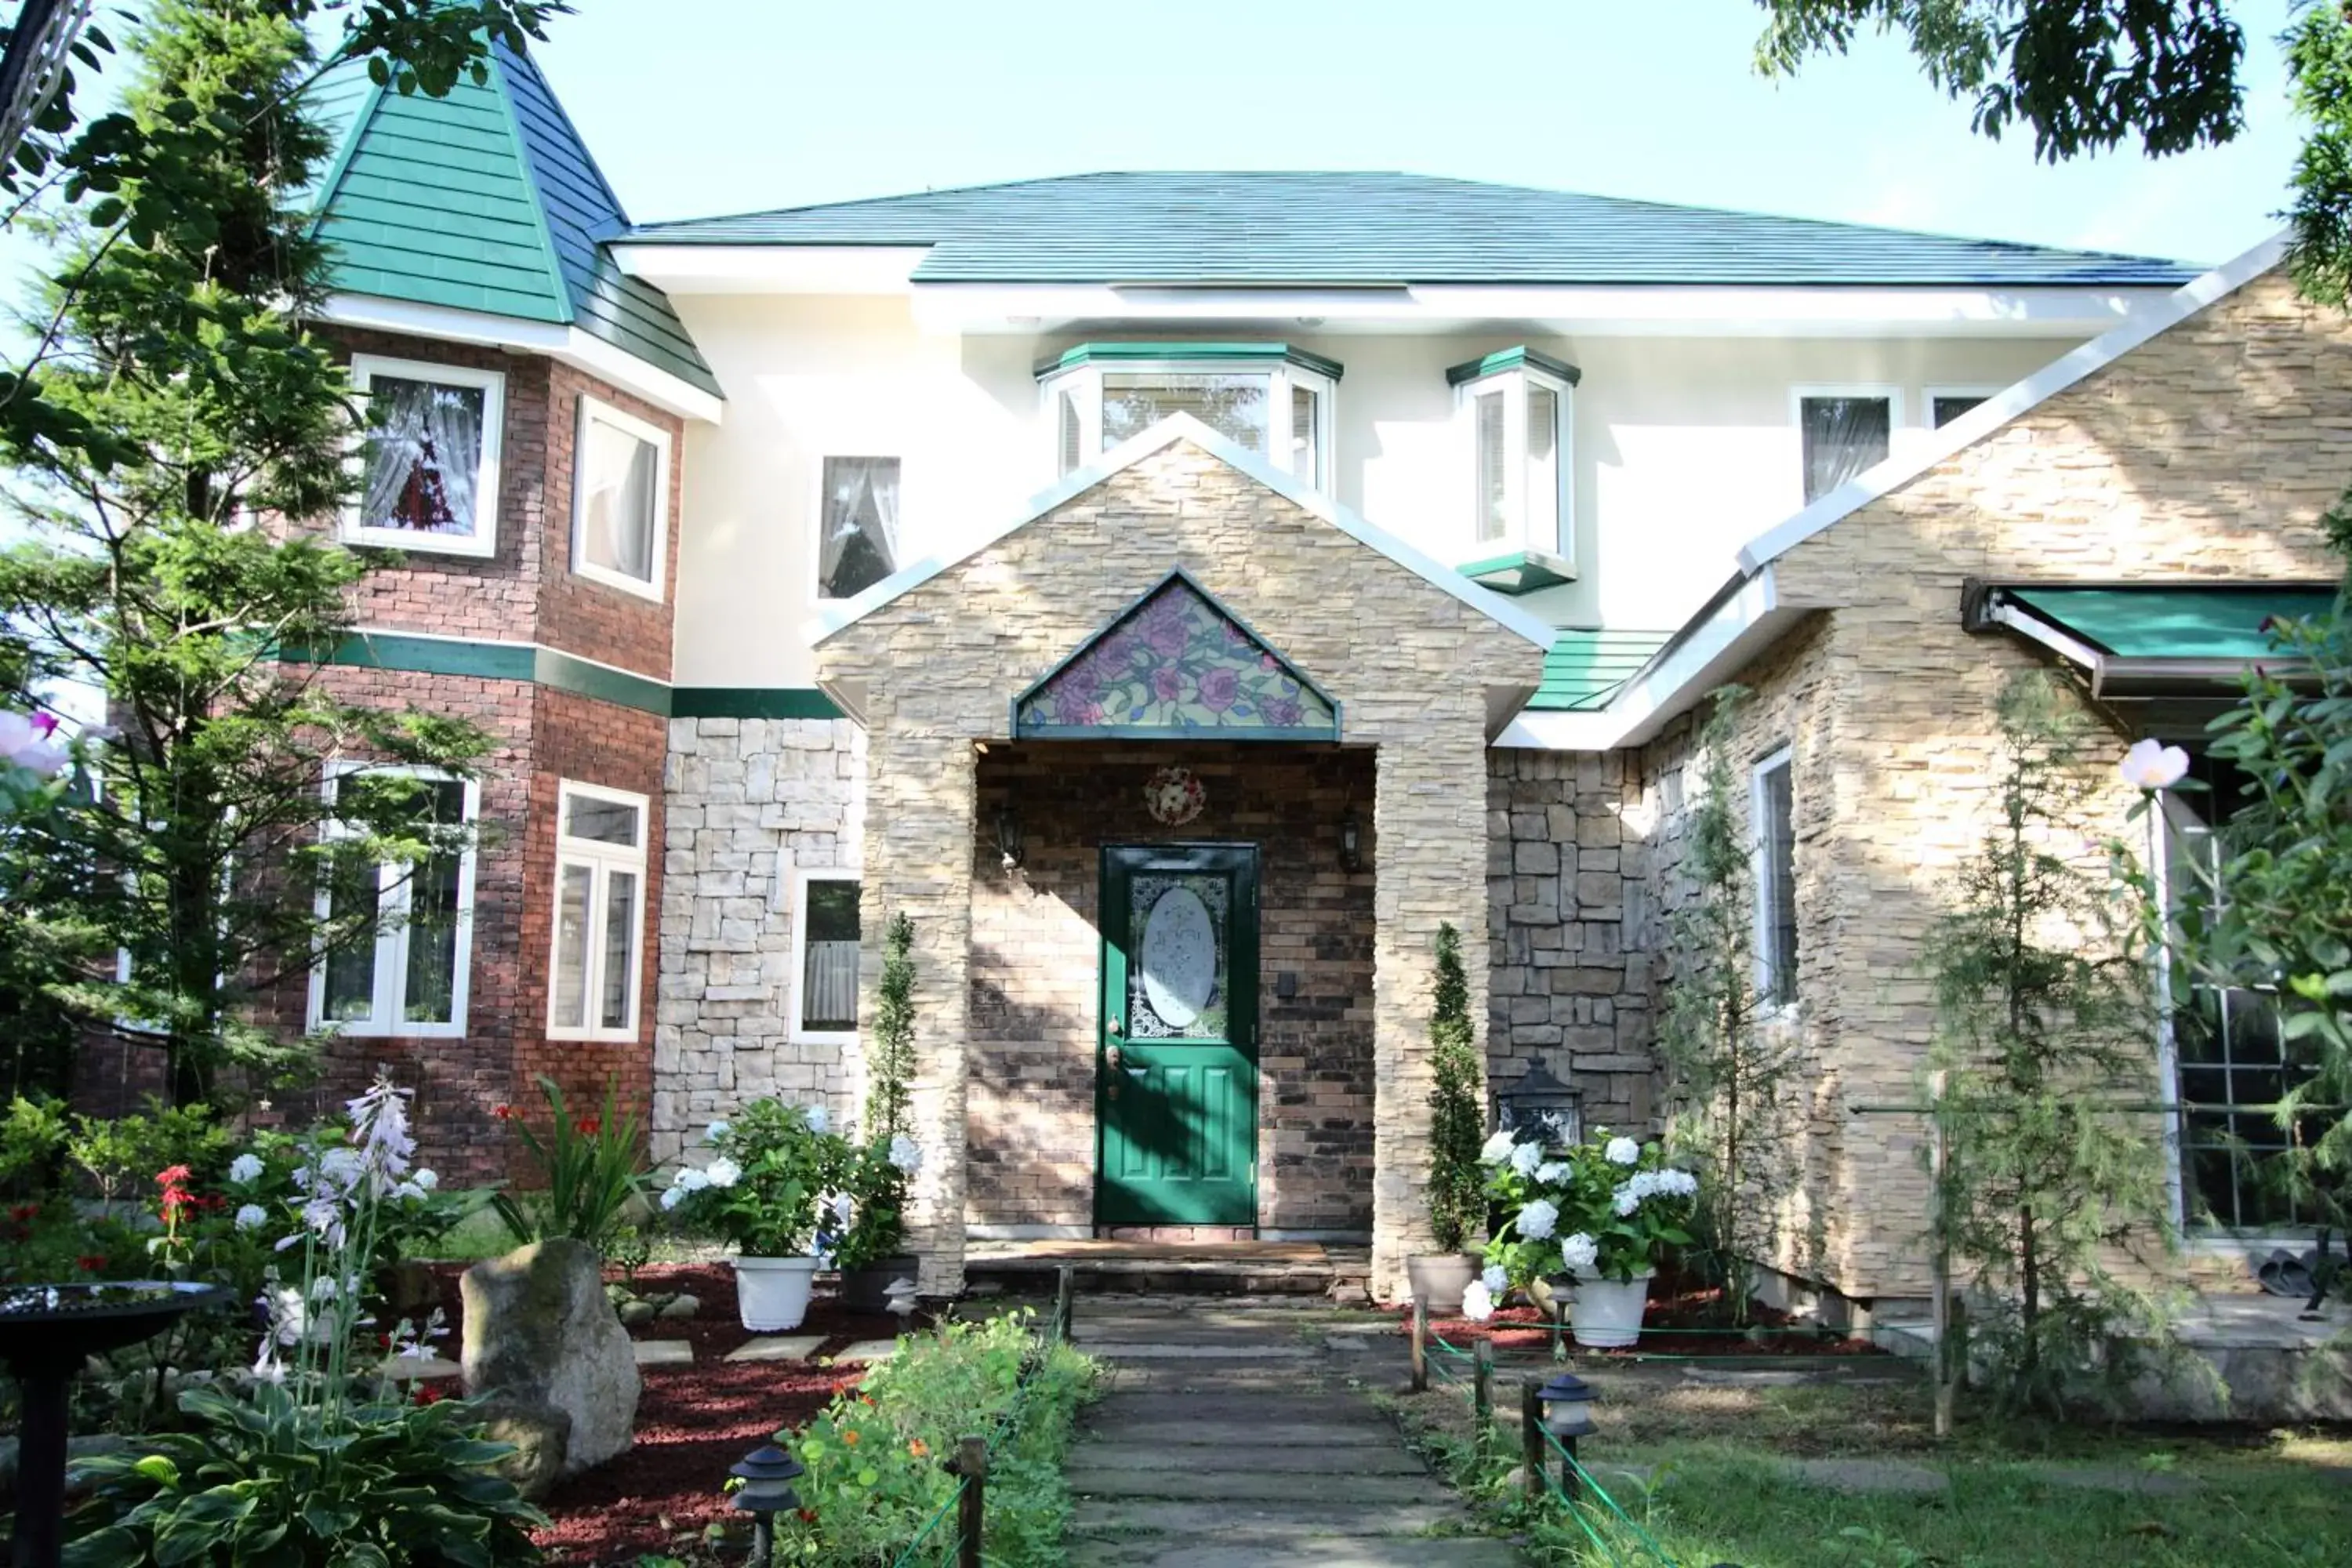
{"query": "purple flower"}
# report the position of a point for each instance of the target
(1167, 684)
(1268, 661)
(1074, 706)
(1281, 712)
(1164, 630)
(1218, 688)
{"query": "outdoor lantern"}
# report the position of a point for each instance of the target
(1351, 844)
(767, 1473)
(1568, 1406)
(1008, 837)
(1540, 1102)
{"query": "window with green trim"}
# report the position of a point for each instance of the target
(1274, 408)
(1515, 420)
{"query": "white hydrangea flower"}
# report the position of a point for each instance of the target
(671, 1197)
(1477, 1301)
(426, 1178)
(1497, 1149)
(691, 1178)
(1536, 1221)
(1677, 1183)
(1496, 1278)
(252, 1215)
(817, 1117)
(906, 1153)
(1640, 1184)
(1628, 1200)
(714, 1132)
(845, 1210)
(1526, 1158)
(1553, 1173)
(245, 1170)
(723, 1173)
(408, 1191)
(1622, 1151)
(1579, 1251)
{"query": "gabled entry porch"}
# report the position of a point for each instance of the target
(1181, 607)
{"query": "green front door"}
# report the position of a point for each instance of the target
(1177, 1095)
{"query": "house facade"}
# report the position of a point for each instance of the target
(1180, 595)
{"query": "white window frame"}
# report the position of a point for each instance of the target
(1890, 393)
(819, 501)
(393, 883)
(1760, 851)
(594, 409)
(1559, 551)
(1927, 396)
(1085, 383)
(795, 1031)
(602, 859)
(365, 369)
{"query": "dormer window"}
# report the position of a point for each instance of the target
(1515, 410)
(1267, 398)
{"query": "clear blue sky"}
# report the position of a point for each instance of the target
(698, 107)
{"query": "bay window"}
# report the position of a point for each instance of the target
(1516, 411)
(406, 973)
(429, 458)
(600, 880)
(1270, 399)
(620, 500)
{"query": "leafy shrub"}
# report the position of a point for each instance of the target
(592, 1172)
(1457, 1188)
(874, 1456)
(759, 1191)
(873, 1176)
(1609, 1206)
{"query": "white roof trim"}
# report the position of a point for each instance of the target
(1134, 449)
(1746, 618)
(556, 340)
(2035, 389)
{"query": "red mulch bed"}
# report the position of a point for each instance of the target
(1684, 1318)
(693, 1422)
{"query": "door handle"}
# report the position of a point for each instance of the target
(1111, 1055)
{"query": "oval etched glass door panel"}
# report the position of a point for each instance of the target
(1179, 958)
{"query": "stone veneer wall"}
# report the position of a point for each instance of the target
(1036, 972)
(750, 801)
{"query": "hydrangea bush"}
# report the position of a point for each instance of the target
(1608, 1208)
(764, 1187)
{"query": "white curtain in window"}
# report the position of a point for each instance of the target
(831, 980)
(1844, 436)
(860, 546)
(620, 474)
(433, 433)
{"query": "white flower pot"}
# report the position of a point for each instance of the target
(772, 1294)
(1607, 1314)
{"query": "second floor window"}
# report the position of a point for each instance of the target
(1844, 434)
(600, 891)
(429, 458)
(1516, 406)
(1269, 399)
(858, 538)
(620, 500)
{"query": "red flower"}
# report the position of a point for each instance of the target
(503, 1112)
(429, 1394)
(172, 1176)
(589, 1126)
(91, 1265)
(24, 1213)
(808, 1516)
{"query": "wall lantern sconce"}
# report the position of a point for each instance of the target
(1008, 837)
(1351, 844)
(1540, 1102)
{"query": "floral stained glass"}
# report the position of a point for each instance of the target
(1176, 981)
(1176, 662)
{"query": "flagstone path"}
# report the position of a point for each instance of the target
(1234, 1435)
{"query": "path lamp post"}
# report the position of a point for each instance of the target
(767, 1473)
(1539, 1102)
(1568, 1415)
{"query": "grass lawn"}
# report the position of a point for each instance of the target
(1711, 1474)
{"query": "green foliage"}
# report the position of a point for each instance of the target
(1727, 1065)
(1608, 1206)
(873, 1176)
(874, 1456)
(257, 1479)
(590, 1169)
(120, 1154)
(2044, 1023)
(759, 1193)
(1457, 1120)
(889, 1093)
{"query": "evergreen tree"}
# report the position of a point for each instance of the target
(1457, 1122)
(889, 1087)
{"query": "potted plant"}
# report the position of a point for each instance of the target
(1457, 1187)
(869, 1249)
(1601, 1214)
(759, 1193)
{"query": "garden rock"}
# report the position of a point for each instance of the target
(681, 1306)
(539, 1333)
(540, 1433)
(635, 1312)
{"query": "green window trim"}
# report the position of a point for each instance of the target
(1505, 360)
(1205, 354)
(535, 665)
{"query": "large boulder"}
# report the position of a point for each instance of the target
(539, 1331)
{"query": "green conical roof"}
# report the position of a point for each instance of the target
(487, 200)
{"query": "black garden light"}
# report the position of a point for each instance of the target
(1568, 1415)
(1539, 1102)
(767, 1473)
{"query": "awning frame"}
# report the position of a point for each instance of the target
(1986, 605)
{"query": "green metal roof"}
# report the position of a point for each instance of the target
(1326, 228)
(1245, 352)
(2172, 621)
(1586, 666)
(487, 200)
(1512, 359)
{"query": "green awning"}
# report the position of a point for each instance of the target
(2150, 639)
(1586, 666)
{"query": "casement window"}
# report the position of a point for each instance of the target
(600, 901)
(429, 458)
(1844, 431)
(825, 940)
(411, 977)
(1773, 825)
(620, 500)
(1945, 403)
(1267, 398)
(857, 536)
(1516, 409)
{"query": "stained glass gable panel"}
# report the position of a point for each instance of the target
(1177, 663)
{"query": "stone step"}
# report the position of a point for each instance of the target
(1322, 1409)
(1262, 1378)
(1230, 1551)
(1142, 1427)
(1233, 1348)
(1143, 1452)
(1270, 1523)
(1088, 1479)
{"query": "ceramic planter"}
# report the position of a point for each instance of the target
(772, 1294)
(1439, 1279)
(867, 1289)
(1607, 1314)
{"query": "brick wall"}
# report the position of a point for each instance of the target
(1036, 972)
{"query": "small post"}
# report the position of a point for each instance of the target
(1940, 1282)
(1482, 1383)
(1560, 1328)
(1531, 1437)
(1420, 1345)
(1571, 1485)
(972, 1464)
(1064, 1292)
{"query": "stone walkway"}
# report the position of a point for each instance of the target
(1233, 1435)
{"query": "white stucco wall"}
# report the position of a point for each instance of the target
(1684, 447)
